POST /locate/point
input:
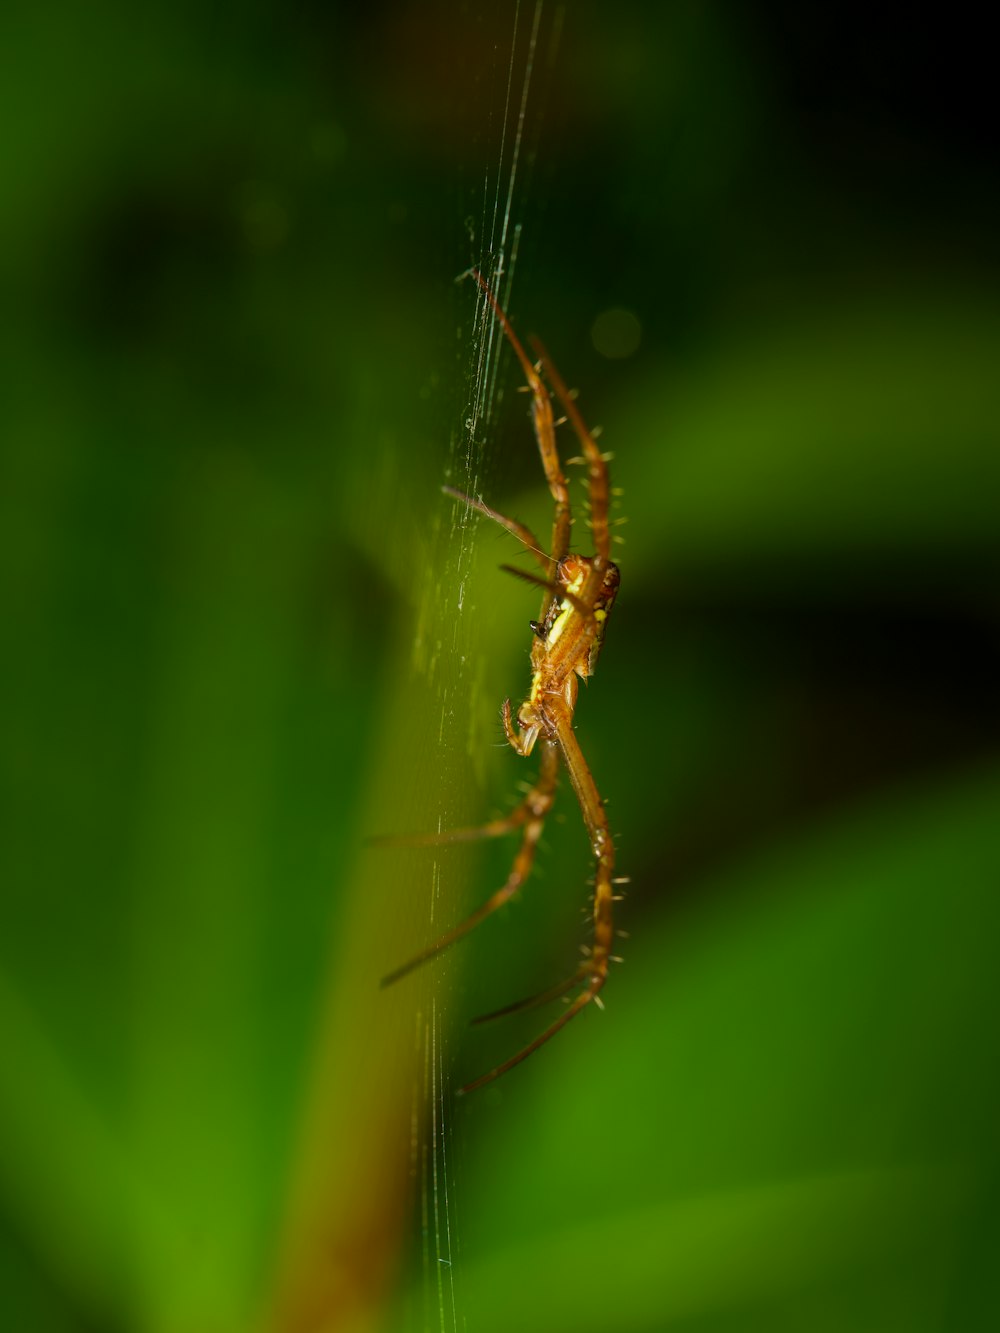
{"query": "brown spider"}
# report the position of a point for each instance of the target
(579, 593)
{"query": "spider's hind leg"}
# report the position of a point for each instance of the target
(593, 972)
(530, 815)
(532, 1001)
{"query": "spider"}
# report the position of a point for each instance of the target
(579, 592)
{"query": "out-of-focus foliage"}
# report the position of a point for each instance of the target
(244, 630)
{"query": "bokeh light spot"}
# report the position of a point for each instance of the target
(616, 333)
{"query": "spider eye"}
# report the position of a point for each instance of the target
(537, 627)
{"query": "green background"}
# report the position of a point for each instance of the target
(234, 369)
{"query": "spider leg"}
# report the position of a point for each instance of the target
(532, 1001)
(545, 434)
(601, 843)
(600, 491)
(593, 973)
(523, 534)
(531, 813)
(565, 595)
(494, 828)
(579, 1003)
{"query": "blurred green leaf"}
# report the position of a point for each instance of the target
(827, 451)
(793, 1089)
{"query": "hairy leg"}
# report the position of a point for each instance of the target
(531, 814)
